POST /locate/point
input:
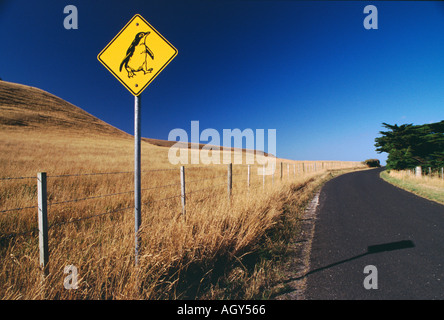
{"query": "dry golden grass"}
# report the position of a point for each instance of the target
(430, 187)
(180, 256)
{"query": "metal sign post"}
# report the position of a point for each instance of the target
(137, 171)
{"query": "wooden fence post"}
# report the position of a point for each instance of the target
(182, 189)
(43, 221)
(230, 180)
(418, 171)
(248, 177)
(281, 170)
(273, 168)
(263, 177)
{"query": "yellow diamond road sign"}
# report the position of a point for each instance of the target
(137, 55)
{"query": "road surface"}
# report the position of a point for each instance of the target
(363, 220)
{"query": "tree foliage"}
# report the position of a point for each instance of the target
(372, 163)
(411, 145)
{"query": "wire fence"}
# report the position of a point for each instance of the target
(242, 178)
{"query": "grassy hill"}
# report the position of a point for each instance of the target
(24, 108)
(42, 132)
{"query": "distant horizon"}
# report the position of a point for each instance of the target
(308, 69)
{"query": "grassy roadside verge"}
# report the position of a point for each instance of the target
(258, 273)
(423, 187)
(223, 250)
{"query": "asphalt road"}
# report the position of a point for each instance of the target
(363, 220)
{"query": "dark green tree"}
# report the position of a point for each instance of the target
(411, 145)
(372, 163)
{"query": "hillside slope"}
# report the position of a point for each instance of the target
(42, 132)
(28, 108)
(25, 108)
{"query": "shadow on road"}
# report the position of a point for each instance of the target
(404, 244)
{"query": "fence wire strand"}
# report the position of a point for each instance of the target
(160, 187)
(206, 179)
(89, 198)
(207, 188)
(17, 178)
(13, 235)
(163, 199)
(89, 217)
(188, 193)
(18, 209)
(88, 174)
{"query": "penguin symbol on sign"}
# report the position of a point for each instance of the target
(136, 58)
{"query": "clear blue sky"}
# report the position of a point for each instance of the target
(308, 69)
